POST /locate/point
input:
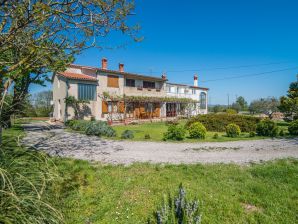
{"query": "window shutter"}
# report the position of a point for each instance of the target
(121, 107)
(104, 108)
(113, 81)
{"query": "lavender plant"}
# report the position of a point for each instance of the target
(178, 210)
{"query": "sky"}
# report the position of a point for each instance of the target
(254, 41)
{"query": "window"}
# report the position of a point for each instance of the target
(130, 82)
(168, 89)
(193, 91)
(113, 81)
(150, 85)
(203, 100)
(86, 92)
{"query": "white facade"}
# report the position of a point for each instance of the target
(192, 92)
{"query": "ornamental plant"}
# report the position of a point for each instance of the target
(197, 130)
(175, 132)
(267, 128)
(293, 128)
(127, 134)
(233, 130)
(178, 210)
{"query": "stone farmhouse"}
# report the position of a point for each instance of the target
(122, 96)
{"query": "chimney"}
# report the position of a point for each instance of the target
(164, 76)
(104, 63)
(121, 67)
(195, 80)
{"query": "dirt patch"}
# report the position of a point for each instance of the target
(249, 208)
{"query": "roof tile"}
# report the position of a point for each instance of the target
(78, 76)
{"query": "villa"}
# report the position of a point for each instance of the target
(119, 95)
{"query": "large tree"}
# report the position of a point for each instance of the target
(289, 103)
(41, 36)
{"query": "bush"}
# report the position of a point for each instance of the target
(252, 134)
(215, 136)
(293, 128)
(175, 132)
(231, 111)
(218, 122)
(233, 130)
(100, 128)
(281, 133)
(147, 136)
(197, 130)
(127, 134)
(267, 128)
(178, 210)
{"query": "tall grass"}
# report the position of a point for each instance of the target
(25, 178)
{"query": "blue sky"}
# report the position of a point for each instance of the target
(187, 37)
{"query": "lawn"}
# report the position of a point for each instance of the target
(156, 130)
(264, 193)
(94, 193)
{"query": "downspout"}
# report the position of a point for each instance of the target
(65, 108)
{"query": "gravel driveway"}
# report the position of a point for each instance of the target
(56, 141)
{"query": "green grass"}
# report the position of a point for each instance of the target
(156, 130)
(119, 194)
(94, 193)
(25, 183)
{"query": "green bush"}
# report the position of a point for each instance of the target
(172, 122)
(178, 210)
(218, 122)
(147, 136)
(100, 128)
(267, 128)
(231, 111)
(233, 130)
(252, 134)
(281, 133)
(127, 134)
(215, 136)
(197, 130)
(293, 127)
(175, 132)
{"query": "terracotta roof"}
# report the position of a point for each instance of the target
(71, 75)
(118, 72)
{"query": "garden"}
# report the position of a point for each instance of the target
(202, 128)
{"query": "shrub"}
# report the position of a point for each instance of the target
(281, 133)
(233, 130)
(147, 136)
(178, 210)
(100, 128)
(231, 111)
(79, 125)
(175, 132)
(218, 122)
(215, 136)
(293, 128)
(127, 134)
(267, 128)
(252, 134)
(197, 130)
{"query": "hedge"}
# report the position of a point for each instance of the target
(218, 122)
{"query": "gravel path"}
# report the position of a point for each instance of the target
(56, 141)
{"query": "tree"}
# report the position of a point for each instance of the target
(42, 103)
(241, 102)
(289, 103)
(267, 106)
(42, 36)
